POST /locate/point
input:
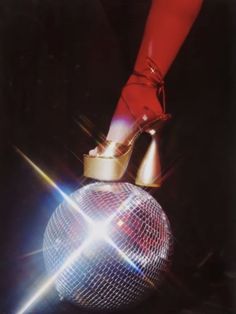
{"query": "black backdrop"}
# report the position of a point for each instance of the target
(60, 60)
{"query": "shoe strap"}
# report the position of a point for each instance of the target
(112, 149)
(154, 78)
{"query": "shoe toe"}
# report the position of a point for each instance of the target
(93, 152)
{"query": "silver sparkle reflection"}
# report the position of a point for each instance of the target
(121, 269)
(97, 229)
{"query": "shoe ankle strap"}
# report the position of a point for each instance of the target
(152, 73)
(153, 78)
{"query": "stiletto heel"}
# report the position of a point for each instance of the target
(149, 172)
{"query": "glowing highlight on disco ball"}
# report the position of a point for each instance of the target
(96, 228)
(113, 225)
(127, 247)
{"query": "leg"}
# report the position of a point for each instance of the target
(167, 26)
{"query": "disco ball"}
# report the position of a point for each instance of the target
(107, 246)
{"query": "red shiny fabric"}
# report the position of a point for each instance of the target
(168, 23)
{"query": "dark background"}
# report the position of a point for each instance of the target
(61, 61)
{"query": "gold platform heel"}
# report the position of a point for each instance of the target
(149, 172)
(112, 159)
(110, 163)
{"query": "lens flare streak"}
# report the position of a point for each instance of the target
(130, 262)
(76, 254)
(54, 185)
(44, 287)
(123, 207)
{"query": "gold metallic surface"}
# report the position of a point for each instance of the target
(149, 172)
(112, 159)
(107, 168)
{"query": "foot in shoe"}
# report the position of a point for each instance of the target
(138, 104)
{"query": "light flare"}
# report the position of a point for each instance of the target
(123, 207)
(48, 283)
(99, 230)
(31, 253)
(130, 262)
(47, 179)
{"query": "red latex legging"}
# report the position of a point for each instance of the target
(168, 23)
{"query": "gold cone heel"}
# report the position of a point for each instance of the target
(149, 172)
(112, 158)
